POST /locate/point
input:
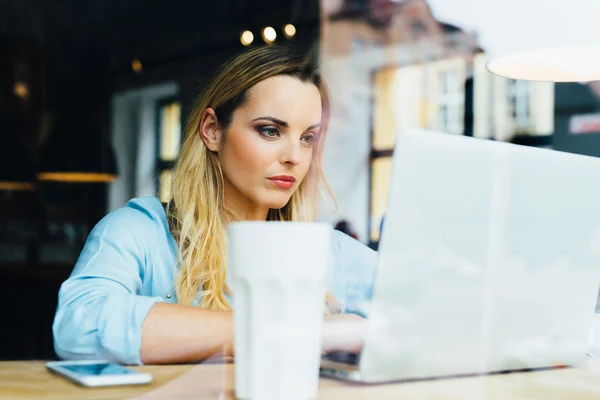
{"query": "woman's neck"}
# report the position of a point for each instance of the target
(239, 208)
(234, 214)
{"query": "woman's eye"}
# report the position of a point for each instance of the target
(309, 139)
(269, 131)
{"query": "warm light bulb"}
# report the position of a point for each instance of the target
(21, 90)
(269, 35)
(136, 65)
(246, 38)
(289, 30)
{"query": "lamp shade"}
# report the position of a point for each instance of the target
(16, 164)
(78, 148)
(63, 159)
(21, 87)
(16, 168)
(564, 64)
(554, 41)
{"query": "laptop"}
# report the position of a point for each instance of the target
(489, 261)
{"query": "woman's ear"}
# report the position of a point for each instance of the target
(210, 130)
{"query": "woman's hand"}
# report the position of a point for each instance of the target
(343, 332)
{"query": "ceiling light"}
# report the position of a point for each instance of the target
(21, 90)
(289, 30)
(269, 35)
(565, 64)
(246, 38)
(543, 50)
(136, 66)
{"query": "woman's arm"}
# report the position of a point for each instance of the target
(174, 333)
(101, 313)
(343, 332)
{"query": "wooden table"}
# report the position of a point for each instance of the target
(29, 380)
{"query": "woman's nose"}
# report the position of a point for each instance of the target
(290, 155)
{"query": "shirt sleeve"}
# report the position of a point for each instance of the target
(100, 310)
(352, 274)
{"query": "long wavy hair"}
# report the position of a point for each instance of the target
(196, 210)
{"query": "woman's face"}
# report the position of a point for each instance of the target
(267, 149)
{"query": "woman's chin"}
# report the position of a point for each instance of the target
(277, 204)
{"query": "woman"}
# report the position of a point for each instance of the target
(151, 286)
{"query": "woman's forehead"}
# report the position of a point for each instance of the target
(286, 98)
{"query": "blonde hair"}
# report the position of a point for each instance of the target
(196, 211)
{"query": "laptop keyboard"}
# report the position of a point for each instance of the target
(343, 357)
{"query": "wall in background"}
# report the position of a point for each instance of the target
(134, 137)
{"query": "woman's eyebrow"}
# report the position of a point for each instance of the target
(283, 123)
(272, 119)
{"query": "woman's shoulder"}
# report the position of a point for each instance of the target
(137, 220)
(145, 209)
(135, 232)
(349, 253)
(143, 212)
(352, 273)
(344, 243)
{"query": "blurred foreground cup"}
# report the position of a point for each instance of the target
(277, 274)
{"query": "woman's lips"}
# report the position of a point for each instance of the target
(283, 181)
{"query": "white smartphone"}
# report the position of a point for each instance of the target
(95, 373)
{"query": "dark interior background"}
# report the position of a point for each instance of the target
(74, 55)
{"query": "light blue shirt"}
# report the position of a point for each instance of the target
(128, 264)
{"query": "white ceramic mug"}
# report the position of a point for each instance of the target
(277, 275)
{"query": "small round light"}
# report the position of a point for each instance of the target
(247, 38)
(269, 35)
(136, 66)
(289, 30)
(21, 90)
